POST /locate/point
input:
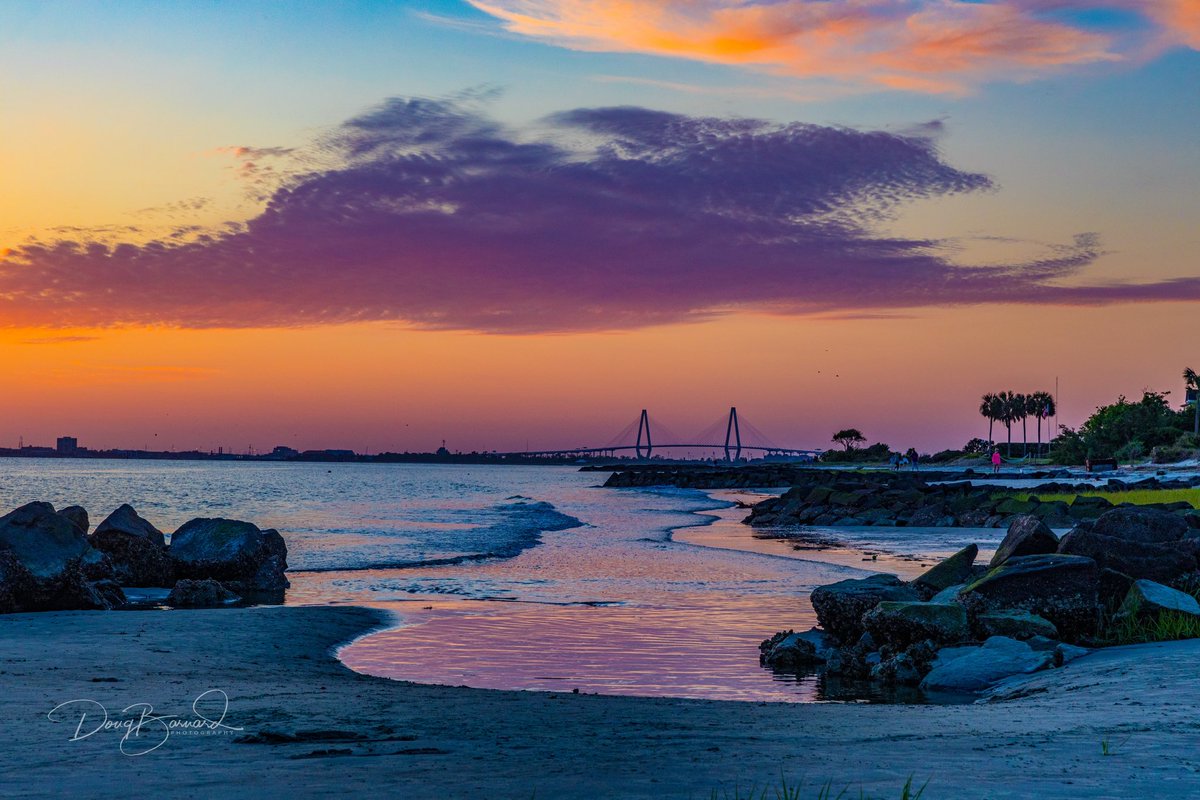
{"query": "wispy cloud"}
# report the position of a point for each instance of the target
(431, 213)
(916, 45)
(60, 339)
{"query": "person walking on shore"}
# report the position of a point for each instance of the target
(996, 461)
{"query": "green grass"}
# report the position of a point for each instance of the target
(1140, 497)
(786, 791)
(1167, 626)
(1107, 748)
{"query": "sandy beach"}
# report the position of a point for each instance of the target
(324, 729)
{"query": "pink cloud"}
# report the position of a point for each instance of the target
(918, 45)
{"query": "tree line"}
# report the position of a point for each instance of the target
(1009, 408)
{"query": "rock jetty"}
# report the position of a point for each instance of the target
(1039, 603)
(49, 562)
(911, 500)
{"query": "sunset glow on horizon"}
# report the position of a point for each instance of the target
(513, 225)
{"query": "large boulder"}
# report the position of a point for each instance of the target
(77, 516)
(200, 594)
(126, 520)
(48, 564)
(973, 669)
(1060, 588)
(1027, 536)
(840, 606)
(135, 548)
(1145, 525)
(901, 624)
(954, 570)
(1139, 542)
(1148, 598)
(44, 541)
(1015, 625)
(247, 560)
(136, 561)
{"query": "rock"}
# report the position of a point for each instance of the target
(1013, 506)
(949, 594)
(823, 644)
(200, 594)
(1066, 653)
(1042, 643)
(72, 589)
(236, 553)
(901, 624)
(1027, 536)
(835, 663)
(788, 650)
(1113, 587)
(136, 560)
(44, 541)
(954, 570)
(49, 565)
(1060, 588)
(110, 594)
(932, 516)
(77, 516)
(1139, 542)
(126, 520)
(898, 669)
(947, 654)
(974, 671)
(1149, 598)
(840, 606)
(1015, 625)
(17, 585)
(1141, 525)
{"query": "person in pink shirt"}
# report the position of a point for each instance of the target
(996, 461)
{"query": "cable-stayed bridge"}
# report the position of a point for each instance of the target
(646, 436)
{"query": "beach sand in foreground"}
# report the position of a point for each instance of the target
(365, 736)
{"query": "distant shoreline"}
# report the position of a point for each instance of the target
(307, 457)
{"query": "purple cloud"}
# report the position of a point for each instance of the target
(433, 214)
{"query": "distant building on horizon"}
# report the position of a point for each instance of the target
(67, 445)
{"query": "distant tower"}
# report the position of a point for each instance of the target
(733, 435)
(644, 429)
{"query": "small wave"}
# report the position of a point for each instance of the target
(518, 527)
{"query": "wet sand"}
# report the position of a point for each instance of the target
(341, 733)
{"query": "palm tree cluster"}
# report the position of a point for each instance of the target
(1009, 408)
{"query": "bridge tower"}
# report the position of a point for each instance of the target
(644, 429)
(733, 434)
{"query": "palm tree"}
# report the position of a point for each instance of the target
(1007, 402)
(1021, 412)
(1041, 405)
(989, 407)
(1193, 382)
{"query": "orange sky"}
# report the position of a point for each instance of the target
(904, 380)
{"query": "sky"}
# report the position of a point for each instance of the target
(513, 224)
